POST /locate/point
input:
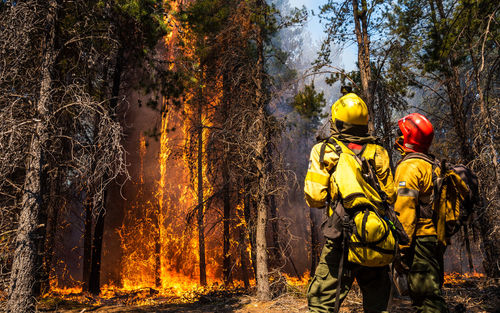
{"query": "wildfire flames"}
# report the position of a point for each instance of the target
(455, 278)
(160, 247)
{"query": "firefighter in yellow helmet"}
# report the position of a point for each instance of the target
(422, 259)
(349, 125)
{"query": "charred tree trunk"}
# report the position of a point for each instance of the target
(87, 246)
(157, 218)
(51, 229)
(250, 221)
(24, 271)
(226, 191)
(275, 248)
(95, 270)
(226, 266)
(42, 226)
(243, 258)
(201, 224)
(314, 242)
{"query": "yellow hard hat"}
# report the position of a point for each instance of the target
(350, 109)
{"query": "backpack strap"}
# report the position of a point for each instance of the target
(369, 151)
(327, 142)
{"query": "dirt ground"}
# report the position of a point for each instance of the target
(468, 295)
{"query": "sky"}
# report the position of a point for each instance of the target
(315, 28)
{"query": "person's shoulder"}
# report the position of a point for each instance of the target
(415, 163)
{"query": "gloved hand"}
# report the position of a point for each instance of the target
(400, 264)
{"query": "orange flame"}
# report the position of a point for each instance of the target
(454, 278)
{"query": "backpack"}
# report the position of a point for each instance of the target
(455, 193)
(368, 222)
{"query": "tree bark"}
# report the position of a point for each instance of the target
(363, 40)
(24, 271)
(263, 289)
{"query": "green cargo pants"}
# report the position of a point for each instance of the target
(373, 281)
(426, 275)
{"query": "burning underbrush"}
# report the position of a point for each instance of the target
(181, 293)
(146, 296)
(469, 292)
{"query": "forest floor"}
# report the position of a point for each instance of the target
(463, 294)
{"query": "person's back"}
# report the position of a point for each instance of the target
(423, 256)
(350, 128)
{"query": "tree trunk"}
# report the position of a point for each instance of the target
(250, 221)
(158, 220)
(24, 271)
(487, 216)
(201, 225)
(243, 258)
(363, 40)
(226, 190)
(314, 242)
(51, 230)
(41, 232)
(226, 262)
(263, 290)
(87, 246)
(275, 248)
(95, 271)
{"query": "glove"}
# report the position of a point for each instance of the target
(400, 264)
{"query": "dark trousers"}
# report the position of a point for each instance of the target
(426, 275)
(374, 282)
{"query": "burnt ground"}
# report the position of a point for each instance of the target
(464, 295)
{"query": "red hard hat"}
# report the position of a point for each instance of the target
(417, 132)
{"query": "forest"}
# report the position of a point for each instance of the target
(153, 152)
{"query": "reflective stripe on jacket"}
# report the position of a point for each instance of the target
(318, 184)
(413, 180)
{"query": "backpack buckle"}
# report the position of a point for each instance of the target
(346, 222)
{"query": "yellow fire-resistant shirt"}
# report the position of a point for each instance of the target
(318, 182)
(413, 181)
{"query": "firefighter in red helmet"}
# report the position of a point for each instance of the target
(422, 259)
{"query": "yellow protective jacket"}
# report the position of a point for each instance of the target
(318, 183)
(413, 180)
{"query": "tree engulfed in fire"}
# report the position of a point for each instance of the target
(158, 240)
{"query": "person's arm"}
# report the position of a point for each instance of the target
(316, 185)
(407, 184)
